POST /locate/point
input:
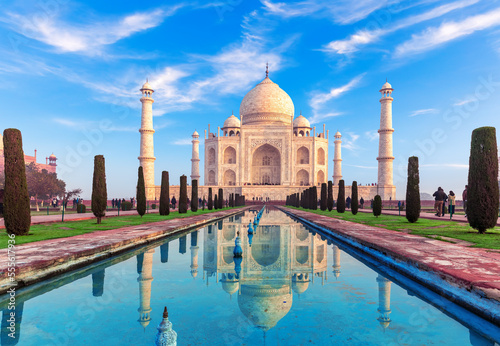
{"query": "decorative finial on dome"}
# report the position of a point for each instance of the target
(267, 69)
(301, 112)
(165, 313)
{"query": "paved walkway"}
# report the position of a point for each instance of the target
(475, 271)
(40, 260)
(36, 219)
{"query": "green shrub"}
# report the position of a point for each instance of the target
(183, 204)
(81, 208)
(141, 193)
(99, 192)
(153, 206)
(164, 194)
(377, 206)
(413, 191)
(126, 206)
(341, 197)
(482, 191)
(17, 213)
(354, 199)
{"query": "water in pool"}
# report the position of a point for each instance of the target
(291, 286)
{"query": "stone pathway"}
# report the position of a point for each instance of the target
(473, 270)
(40, 260)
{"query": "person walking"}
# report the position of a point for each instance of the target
(451, 205)
(348, 202)
(361, 201)
(445, 199)
(464, 200)
(173, 201)
(438, 201)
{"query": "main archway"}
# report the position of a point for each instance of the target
(266, 166)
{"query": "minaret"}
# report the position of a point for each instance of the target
(336, 261)
(195, 160)
(146, 158)
(384, 301)
(385, 157)
(337, 159)
(145, 278)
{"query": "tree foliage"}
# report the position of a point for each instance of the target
(210, 203)
(329, 202)
(221, 199)
(194, 195)
(413, 191)
(482, 191)
(17, 217)
(354, 199)
(323, 203)
(165, 194)
(377, 205)
(183, 204)
(216, 202)
(99, 192)
(42, 184)
(141, 193)
(341, 197)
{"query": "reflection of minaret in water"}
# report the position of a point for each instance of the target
(164, 253)
(98, 283)
(182, 244)
(336, 261)
(194, 254)
(145, 278)
(384, 301)
(6, 339)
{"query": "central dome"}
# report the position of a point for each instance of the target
(268, 104)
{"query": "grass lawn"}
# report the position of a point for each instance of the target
(424, 227)
(70, 228)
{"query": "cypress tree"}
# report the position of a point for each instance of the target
(341, 197)
(141, 193)
(329, 202)
(221, 199)
(17, 213)
(482, 191)
(203, 203)
(354, 199)
(210, 203)
(413, 191)
(216, 202)
(99, 193)
(183, 203)
(194, 196)
(315, 198)
(377, 205)
(165, 194)
(324, 203)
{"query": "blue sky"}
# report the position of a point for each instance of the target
(70, 74)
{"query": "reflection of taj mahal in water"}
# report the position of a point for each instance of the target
(269, 152)
(282, 258)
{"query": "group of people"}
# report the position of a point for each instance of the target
(117, 203)
(440, 199)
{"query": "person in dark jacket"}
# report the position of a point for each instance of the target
(348, 202)
(361, 202)
(439, 197)
(173, 201)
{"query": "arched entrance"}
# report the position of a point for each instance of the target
(266, 166)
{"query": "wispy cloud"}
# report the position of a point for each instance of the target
(465, 101)
(340, 11)
(319, 99)
(363, 167)
(436, 36)
(89, 39)
(365, 36)
(92, 125)
(424, 111)
(184, 141)
(349, 141)
(442, 165)
(372, 135)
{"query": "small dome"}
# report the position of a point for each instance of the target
(386, 86)
(232, 121)
(196, 134)
(300, 286)
(301, 121)
(230, 287)
(52, 156)
(338, 134)
(146, 86)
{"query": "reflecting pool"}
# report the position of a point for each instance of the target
(292, 286)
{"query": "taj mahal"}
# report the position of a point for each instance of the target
(268, 153)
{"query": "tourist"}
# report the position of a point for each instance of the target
(464, 200)
(451, 206)
(439, 197)
(174, 202)
(444, 203)
(361, 202)
(348, 202)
